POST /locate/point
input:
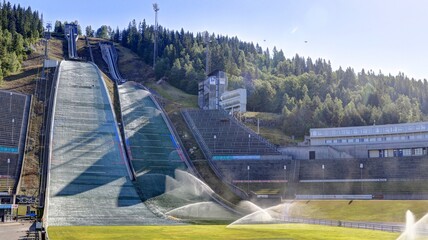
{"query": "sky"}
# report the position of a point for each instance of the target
(386, 35)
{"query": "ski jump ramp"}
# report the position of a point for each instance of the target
(89, 177)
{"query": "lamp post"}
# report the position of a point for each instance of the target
(285, 179)
(10, 103)
(248, 178)
(215, 138)
(323, 178)
(361, 176)
(13, 125)
(249, 140)
(7, 179)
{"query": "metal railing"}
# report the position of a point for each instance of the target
(349, 224)
(250, 131)
(208, 155)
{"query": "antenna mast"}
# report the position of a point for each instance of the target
(155, 50)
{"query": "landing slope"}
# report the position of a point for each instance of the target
(89, 181)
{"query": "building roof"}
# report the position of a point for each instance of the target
(214, 73)
(387, 129)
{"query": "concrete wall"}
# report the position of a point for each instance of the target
(321, 152)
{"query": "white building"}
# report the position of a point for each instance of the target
(234, 101)
(392, 140)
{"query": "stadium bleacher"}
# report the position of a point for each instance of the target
(222, 134)
(392, 178)
(13, 130)
(398, 176)
(381, 168)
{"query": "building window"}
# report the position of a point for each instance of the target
(407, 152)
(418, 151)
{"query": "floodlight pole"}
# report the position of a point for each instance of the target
(47, 37)
(155, 50)
(207, 53)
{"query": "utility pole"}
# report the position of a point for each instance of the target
(155, 50)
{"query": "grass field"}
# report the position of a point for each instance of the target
(370, 211)
(207, 232)
(174, 94)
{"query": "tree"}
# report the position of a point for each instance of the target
(59, 27)
(116, 35)
(104, 32)
(308, 92)
(89, 32)
(352, 117)
(330, 112)
(263, 97)
(19, 28)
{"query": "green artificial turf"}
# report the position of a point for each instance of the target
(207, 232)
(360, 210)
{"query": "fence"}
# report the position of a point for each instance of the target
(349, 224)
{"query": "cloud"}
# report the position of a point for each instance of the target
(295, 29)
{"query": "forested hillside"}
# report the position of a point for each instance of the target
(308, 93)
(19, 27)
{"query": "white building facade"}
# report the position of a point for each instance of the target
(392, 140)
